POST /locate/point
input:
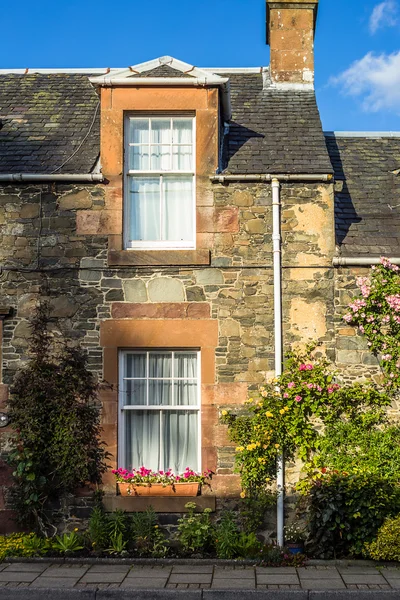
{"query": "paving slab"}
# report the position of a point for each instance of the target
(281, 579)
(234, 584)
(105, 577)
(61, 571)
(149, 572)
(233, 573)
(190, 578)
(305, 573)
(394, 582)
(110, 568)
(18, 576)
(192, 569)
(26, 567)
(362, 578)
(322, 584)
(276, 570)
(143, 583)
(54, 582)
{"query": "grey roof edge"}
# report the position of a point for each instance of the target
(106, 70)
(362, 134)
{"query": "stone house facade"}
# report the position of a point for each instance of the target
(139, 202)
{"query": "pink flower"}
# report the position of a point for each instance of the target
(302, 367)
(298, 398)
(330, 390)
(291, 384)
(310, 386)
(309, 367)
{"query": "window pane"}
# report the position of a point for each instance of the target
(139, 131)
(139, 158)
(178, 209)
(142, 439)
(185, 393)
(134, 392)
(182, 131)
(185, 365)
(160, 158)
(161, 131)
(180, 440)
(160, 392)
(135, 365)
(182, 158)
(160, 364)
(144, 209)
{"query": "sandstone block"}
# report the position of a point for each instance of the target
(76, 200)
(165, 289)
(240, 198)
(30, 211)
(256, 226)
(209, 277)
(135, 290)
(229, 328)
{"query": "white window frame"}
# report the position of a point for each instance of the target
(157, 245)
(122, 408)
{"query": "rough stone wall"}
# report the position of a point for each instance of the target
(44, 256)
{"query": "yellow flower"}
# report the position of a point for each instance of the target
(243, 494)
(76, 529)
(269, 414)
(282, 411)
(287, 408)
(265, 446)
(239, 449)
(267, 479)
(224, 413)
(276, 445)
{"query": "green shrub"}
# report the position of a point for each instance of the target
(98, 530)
(227, 534)
(196, 533)
(386, 546)
(146, 534)
(346, 511)
(23, 544)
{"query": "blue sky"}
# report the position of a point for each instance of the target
(357, 45)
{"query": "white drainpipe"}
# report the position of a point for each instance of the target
(276, 241)
(361, 261)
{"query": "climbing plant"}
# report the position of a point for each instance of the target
(56, 443)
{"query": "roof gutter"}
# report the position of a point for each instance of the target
(360, 261)
(30, 177)
(270, 177)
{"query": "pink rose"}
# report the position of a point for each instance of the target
(298, 398)
(291, 384)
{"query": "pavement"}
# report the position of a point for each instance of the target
(44, 580)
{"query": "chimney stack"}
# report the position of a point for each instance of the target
(290, 34)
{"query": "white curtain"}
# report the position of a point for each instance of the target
(166, 438)
(144, 209)
(178, 208)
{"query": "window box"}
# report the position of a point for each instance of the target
(158, 489)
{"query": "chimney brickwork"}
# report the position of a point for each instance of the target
(290, 34)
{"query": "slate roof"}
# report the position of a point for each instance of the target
(274, 131)
(44, 120)
(162, 71)
(367, 198)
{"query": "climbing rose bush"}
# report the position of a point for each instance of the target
(377, 315)
(288, 414)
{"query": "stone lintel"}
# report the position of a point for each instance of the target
(158, 257)
(160, 504)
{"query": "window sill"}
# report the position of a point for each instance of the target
(158, 257)
(160, 504)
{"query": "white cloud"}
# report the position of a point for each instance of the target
(376, 79)
(384, 15)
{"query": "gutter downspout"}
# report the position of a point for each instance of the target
(276, 241)
(48, 177)
(344, 261)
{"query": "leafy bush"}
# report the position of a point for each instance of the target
(196, 532)
(23, 544)
(386, 546)
(146, 534)
(68, 543)
(227, 534)
(56, 446)
(254, 508)
(347, 510)
(98, 529)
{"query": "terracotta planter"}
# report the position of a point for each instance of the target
(157, 489)
(295, 547)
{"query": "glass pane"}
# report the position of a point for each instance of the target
(134, 392)
(160, 158)
(185, 393)
(139, 131)
(160, 392)
(144, 209)
(182, 158)
(142, 439)
(160, 364)
(161, 131)
(185, 365)
(180, 439)
(135, 365)
(178, 209)
(182, 131)
(139, 158)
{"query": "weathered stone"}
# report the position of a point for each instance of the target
(209, 277)
(76, 200)
(229, 328)
(195, 294)
(90, 276)
(245, 198)
(63, 306)
(165, 289)
(27, 304)
(135, 290)
(114, 296)
(23, 330)
(255, 226)
(29, 211)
